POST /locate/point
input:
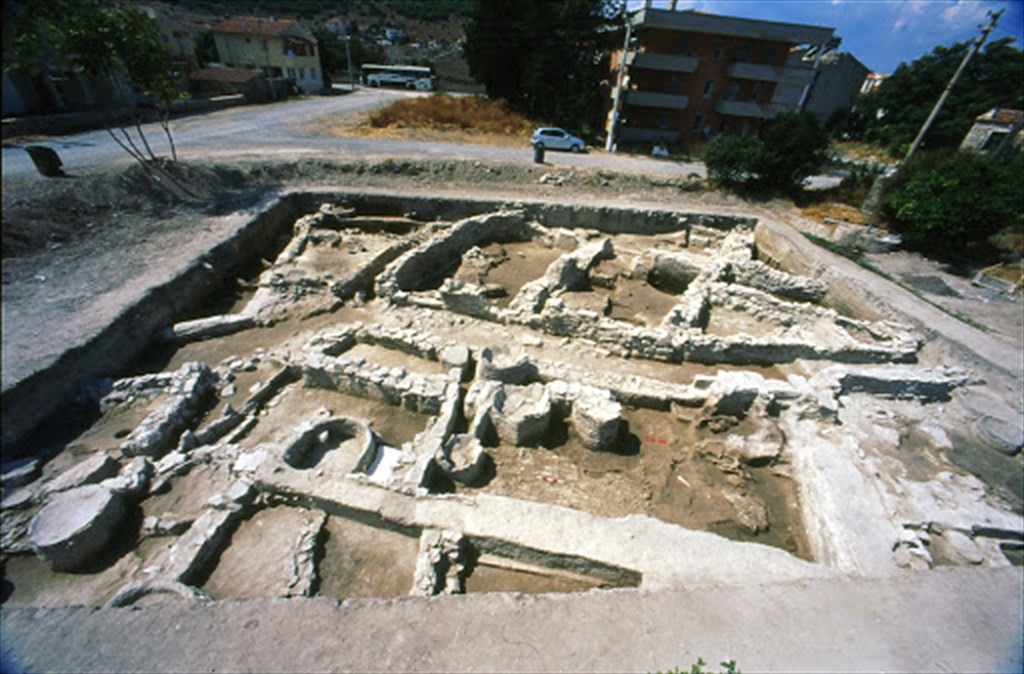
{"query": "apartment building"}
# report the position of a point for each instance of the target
(278, 47)
(686, 76)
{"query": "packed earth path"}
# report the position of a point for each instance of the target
(637, 421)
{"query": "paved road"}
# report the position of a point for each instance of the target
(262, 131)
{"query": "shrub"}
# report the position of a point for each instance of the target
(945, 202)
(790, 148)
(794, 148)
(733, 160)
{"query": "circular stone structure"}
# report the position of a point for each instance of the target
(75, 526)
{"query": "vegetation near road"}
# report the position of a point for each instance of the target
(955, 201)
(473, 120)
(464, 113)
(789, 148)
(547, 58)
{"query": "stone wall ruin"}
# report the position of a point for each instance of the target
(597, 398)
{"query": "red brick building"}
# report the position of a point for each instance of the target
(689, 76)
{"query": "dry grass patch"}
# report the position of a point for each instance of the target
(467, 119)
(835, 211)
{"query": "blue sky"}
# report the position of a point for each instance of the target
(880, 33)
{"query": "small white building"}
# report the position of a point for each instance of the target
(991, 128)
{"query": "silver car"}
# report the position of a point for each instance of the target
(552, 138)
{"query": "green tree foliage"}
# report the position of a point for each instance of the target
(789, 148)
(96, 37)
(331, 51)
(794, 145)
(946, 202)
(434, 10)
(733, 160)
(545, 57)
(892, 116)
(206, 48)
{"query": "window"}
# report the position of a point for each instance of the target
(733, 91)
(993, 141)
(718, 52)
(755, 93)
(291, 73)
(768, 57)
(746, 52)
(664, 119)
(722, 124)
(698, 122)
(683, 46)
(745, 127)
(709, 88)
(673, 84)
(312, 74)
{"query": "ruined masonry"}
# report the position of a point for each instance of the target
(512, 400)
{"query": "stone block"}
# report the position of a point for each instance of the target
(463, 459)
(75, 526)
(597, 420)
(522, 414)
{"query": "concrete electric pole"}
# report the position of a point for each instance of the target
(609, 144)
(975, 46)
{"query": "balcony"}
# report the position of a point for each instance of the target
(639, 135)
(674, 63)
(748, 109)
(653, 99)
(762, 73)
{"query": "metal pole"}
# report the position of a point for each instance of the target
(975, 46)
(617, 99)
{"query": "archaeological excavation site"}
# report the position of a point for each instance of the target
(368, 395)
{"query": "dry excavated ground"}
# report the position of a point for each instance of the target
(315, 390)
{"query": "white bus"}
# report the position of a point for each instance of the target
(408, 77)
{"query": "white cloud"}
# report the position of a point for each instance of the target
(899, 24)
(963, 14)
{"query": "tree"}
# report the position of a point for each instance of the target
(946, 202)
(893, 115)
(206, 48)
(794, 148)
(97, 37)
(789, 148)
(545, 57)
(331, 52)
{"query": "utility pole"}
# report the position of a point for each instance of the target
(617, 99)
(975, 46)
(348, 55)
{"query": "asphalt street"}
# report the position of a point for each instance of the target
(287, 129)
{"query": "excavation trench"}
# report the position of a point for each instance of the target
(316, 377)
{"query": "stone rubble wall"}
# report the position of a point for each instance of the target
(420, 393)
(565, 273)
(192, 386)
(415, 269)
(440, 563)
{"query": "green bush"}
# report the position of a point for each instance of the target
(790, 148)
(947, 202)
(733, 160)
(794, 148)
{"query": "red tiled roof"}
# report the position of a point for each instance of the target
(226, 75)
(1007, 116)
(254, 25)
